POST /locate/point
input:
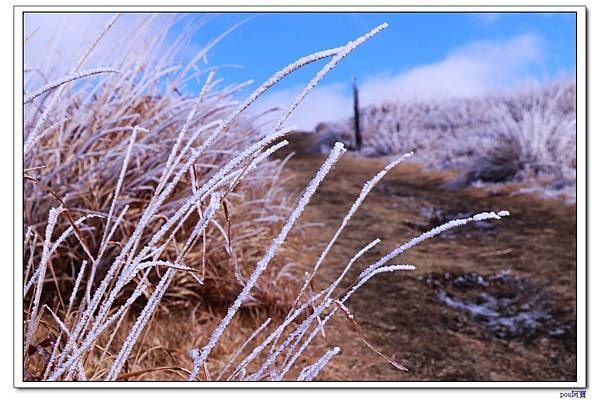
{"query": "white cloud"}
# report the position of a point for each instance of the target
(472, 70)
(324, 103)
(475, 69)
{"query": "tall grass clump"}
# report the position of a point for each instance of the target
(532, 135)
(107, 147)
(156, 222)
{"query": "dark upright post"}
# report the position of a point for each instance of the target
(357, 135)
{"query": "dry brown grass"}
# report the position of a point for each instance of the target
(76, 162)
(140, 202)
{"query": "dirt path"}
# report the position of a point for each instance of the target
(488, 302)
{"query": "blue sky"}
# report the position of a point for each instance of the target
(420, 57)
(267, 42)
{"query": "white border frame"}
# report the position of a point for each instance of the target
(581, 86)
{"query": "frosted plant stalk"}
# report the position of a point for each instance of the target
(258, 92)
(53, 355)
(183, 131)
(205, 189)
(31, 255)
(310, 373)
(363, 280)
(76, 286)
(243, 346)
(162, 263)
(120, 180)
(128, 272)
(428, 235)
(54, 247)
(103, 246)
(276, 333)
(291, 360)
(52, 218)
(154, 299)
(264, 87)
(297, 333)
(215, 200)
(199, 195)
(115, 330)
(64, 329)
(157, 236)
(362, 251)
(139, 325)
(78, 352)
(69, 231)
(335, 154)
(66, 79)
(331, 288)
(189, 143)
(34, 135)
(263, 156)
(367, 187)
(342, 53)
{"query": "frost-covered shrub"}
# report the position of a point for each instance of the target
(534, 132)
(527, 135)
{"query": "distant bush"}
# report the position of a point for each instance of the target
(528, 135)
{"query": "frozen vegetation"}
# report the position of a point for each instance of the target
(527, 135)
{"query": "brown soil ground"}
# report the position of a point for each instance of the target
(524, 264)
